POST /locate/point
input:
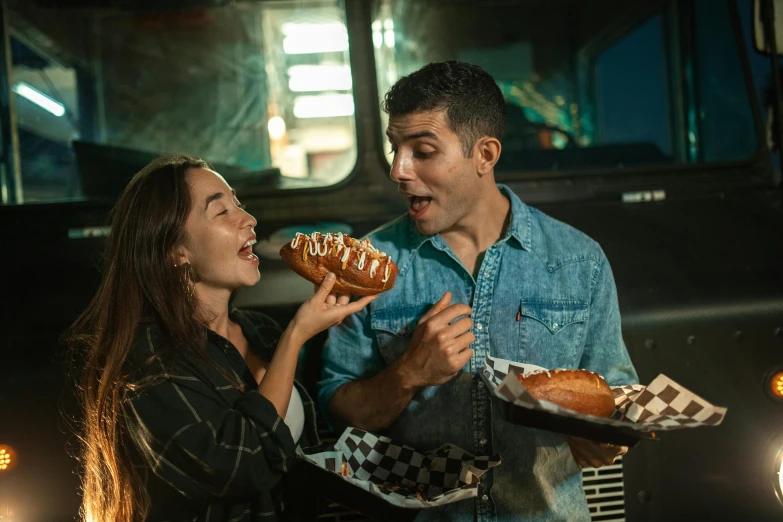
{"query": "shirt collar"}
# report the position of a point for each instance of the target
(519, 227)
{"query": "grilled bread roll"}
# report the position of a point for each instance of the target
(361, 269)
(578, 390)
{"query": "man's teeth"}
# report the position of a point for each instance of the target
(250, 242)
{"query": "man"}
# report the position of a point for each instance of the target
(480, 273)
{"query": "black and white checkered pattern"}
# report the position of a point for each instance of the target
(400, 474)
(661, 405)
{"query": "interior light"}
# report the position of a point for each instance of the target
(276, 127)
(314, 38)
(377, 39)
(304, 78)
(323, 106)
(388, 37)
(37, 97)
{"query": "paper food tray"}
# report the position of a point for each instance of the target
(640, 411)
(399, 474)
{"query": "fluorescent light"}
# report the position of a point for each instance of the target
(377, 39)
(37, 97)
(315, 38)
(276, 127)
(388, 37)
(304, 78)
(323, 106)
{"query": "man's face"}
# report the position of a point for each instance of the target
(430, 169)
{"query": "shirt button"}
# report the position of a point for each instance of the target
(481, 384)
(483, 442)
(484, 498)
(555, 326)
(479, 326)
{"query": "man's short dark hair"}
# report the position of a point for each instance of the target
(472, 101)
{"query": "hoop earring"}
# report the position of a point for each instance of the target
(187, 279)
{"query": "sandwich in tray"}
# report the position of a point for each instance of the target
(577, 403)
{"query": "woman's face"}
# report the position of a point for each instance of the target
(219, 236)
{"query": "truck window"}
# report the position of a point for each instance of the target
(261, 90)
(589, 85)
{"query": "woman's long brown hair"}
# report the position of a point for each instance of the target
(140, 283)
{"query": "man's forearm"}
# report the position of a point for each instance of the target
(373, 404)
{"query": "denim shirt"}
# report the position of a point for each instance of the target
(544, 295)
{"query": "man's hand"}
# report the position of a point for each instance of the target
(439, 349)
(593, 454)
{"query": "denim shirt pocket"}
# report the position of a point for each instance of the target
(393, 328)
(552, 332)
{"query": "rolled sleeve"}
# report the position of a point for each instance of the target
(605, 352)
(350, 354)
(203, 447)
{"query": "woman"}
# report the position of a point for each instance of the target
(186, 400)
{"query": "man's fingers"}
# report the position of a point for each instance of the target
(458, 328)
(343, 299)
(331, 299)
(441, 305)
(464, 356)
(446, 316)
(595, 455)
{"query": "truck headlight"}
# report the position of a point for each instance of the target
(779, 474)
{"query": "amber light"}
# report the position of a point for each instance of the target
(8, 458)
(776, 384)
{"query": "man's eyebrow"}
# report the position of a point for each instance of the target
(416, 135)
(216, 196)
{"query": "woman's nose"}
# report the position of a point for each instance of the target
(248, 220)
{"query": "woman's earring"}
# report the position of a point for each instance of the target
(187, 279)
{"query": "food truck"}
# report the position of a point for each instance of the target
(654, 127)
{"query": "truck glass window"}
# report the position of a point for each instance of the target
(589, 84)
(263, 91)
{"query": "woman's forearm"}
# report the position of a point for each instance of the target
(278, 380)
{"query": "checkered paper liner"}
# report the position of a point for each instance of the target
(401, 475)
(660, 406)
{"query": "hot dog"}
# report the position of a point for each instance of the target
(578, 390)
(361, 269)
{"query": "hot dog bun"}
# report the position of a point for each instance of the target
(578, 390)
(360, 268)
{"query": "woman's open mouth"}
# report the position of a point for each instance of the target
(246, 252)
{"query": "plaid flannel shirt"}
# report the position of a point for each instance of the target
(207, 450)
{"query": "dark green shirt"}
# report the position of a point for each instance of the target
(208, 451)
